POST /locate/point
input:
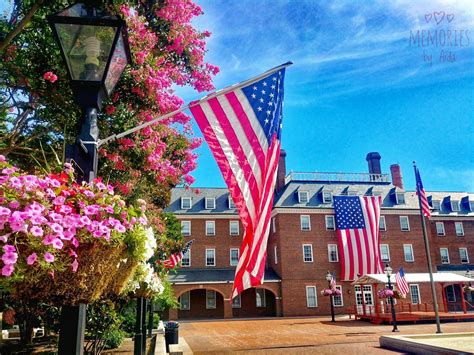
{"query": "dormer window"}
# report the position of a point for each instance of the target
(186, 203)
(231, 204)
(400, 198)
(436, 204)
(303, 197)
(471, 206)
(455, 206)
(327, 197)
(210, 203)
(351, 193)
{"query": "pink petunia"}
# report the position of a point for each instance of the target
(75, 242)
(7, 270)
(58, 201)
(55, 227)
(72, 253)
(5, 211)
(49, 239)
(9, 248)
(74, 265)
(9, 258)
(48, 257)
(119, 228)
(4, 238)
(36, 231)
(57, 243)
(30, 260)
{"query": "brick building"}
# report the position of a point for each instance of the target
(303, 246)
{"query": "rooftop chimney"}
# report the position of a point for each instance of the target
(397, 179)
(373, 159)
(281, 174)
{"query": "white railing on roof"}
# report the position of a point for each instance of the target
(336, 177)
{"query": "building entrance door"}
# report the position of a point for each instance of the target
(364, 296)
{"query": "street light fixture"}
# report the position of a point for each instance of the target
(94, 45)
(329, 279)
(388, 271)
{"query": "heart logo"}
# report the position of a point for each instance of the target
(450, 17)
(439, 16)
(428, 17)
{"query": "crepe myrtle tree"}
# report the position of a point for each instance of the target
(39, 115)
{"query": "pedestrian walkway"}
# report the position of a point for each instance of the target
(298, 335)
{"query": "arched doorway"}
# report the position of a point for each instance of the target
(201, 304)
(254, 302)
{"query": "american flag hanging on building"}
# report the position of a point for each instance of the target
(357, 224)
(242, 126)
(176, 258)
(401, 282)
(424, 205)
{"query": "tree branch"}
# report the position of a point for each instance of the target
(20, 26)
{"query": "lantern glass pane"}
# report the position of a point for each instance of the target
(86, 48)
(117, 65)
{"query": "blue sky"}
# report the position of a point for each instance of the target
(357, 84)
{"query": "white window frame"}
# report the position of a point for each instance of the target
(436, 204)
(467, 256)
(214, 256)
(303, 216)
(471, 206)
(397, 194)
(411, 251)
(461, 230)
(455, 203)
(418, 293)
(440, 232)
(382, 225)
(273, 225)
(304, 254)
(264, 303)
(329, 218)
(213, 299)
(452, 300)
(234, 224)
(213, 224)
(230, 256)
(329, 253)
(231, 203)
(327, 197)
(300, 197)
(207, 203)
(441, 250)
(339, 297)
(388, 253)
(408, 223)
(308, 298)
(275, 254)
(187, 295)
(183, 223)
(186, 256)
(186, 199)
(237, 302)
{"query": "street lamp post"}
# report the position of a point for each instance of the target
(94, 46)
(388, 272)
(329, 279)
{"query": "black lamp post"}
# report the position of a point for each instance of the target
(388, 272)
(329, 279)
(94, 46)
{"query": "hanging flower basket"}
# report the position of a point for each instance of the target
(398, 295)
(331, 292)
(385, 293)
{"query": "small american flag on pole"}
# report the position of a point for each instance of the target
(401, 282)
(242, 126)
(357, 224)
(424, 205)
(176, 258)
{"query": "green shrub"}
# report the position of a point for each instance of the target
(114, 338)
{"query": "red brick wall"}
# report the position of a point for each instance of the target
(198, 307)
(249, 306)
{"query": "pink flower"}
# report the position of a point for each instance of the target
(14, 204)
(55, 227)
(74, 265)
(72, 253)
(119, 228)
(2, 158)
(50, 76)
(5, 211)
(30, 260)
(7, 270)
(109, 109)
(48, 257)
(75, 242)
(58, 201)
(9, 248)
(4, 238)
(36, 231)
(9, 258)
(57, 243)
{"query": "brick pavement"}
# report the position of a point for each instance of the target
(298, 335)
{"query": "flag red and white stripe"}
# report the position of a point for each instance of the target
(424, 204)
(357, 224)
(401, 282)
(242, 128)
(175, 259)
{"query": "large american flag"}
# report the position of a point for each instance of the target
(401, 282)
(242, 127)
(357, 224)
(424, 205)
(176, 258)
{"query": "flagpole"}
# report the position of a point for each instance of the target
(428, 256)
(182, 108)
